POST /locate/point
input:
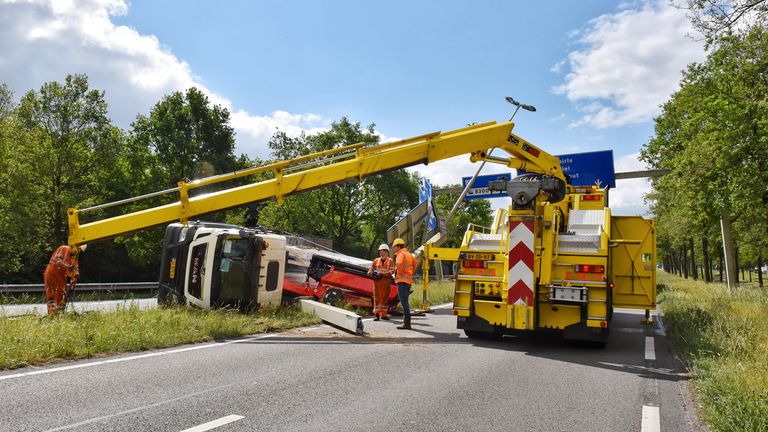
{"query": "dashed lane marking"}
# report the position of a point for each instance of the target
(650, 419)
(214, 424)
(650, 350)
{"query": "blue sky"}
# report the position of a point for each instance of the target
(410, 67)
(597, 71)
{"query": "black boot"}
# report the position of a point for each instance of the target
(406, 323)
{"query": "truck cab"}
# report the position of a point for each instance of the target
(210, 265)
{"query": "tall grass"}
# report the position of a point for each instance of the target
(437, 293)
(723, 338)
(31, 340)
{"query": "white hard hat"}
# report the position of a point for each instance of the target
(384, 247)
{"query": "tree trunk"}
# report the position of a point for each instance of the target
(760, 271)
(738, 265)
(694, 270)
(728, 251)
(684, 260)
(707, 264)
(673, 260)
(720, 264)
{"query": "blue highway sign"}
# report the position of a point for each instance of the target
(425, 194)
(585, 169)
(479, 189)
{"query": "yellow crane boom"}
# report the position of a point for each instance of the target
(355, 161)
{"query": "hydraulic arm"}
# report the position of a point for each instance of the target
(352, 162)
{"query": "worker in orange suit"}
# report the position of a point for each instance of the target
(60, 276)
(405, 265)
(381, 270)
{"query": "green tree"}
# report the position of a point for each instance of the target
(718, 18)
(18, 208)
(73, 140)
(712, 136)
(354, 216)
(473, 211)
(190, 137)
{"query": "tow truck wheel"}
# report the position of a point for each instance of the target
(475, 334)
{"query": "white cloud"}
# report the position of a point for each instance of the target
(630, 64)
(628, 196)
(44, 40)
(450, 171)
(556, 118)
(557, 67)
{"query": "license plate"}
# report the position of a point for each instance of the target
(172, 272)
(479, 256)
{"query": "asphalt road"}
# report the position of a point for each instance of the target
(429, 379)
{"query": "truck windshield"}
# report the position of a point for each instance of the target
(234, 281)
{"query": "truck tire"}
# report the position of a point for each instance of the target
(333, 297)
(481, 335)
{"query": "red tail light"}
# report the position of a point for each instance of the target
(611, 285)
(590, 268)
(591, 197)
(474, 264)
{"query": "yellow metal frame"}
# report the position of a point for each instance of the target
(322, 169)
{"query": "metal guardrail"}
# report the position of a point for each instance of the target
(115, 286)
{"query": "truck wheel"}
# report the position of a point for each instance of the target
(333, 297)
(475, 334)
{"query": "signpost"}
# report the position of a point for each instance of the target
(479, 189)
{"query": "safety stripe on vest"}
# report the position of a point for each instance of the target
(520, 276)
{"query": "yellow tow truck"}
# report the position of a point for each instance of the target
(556, 259)
(552, 262)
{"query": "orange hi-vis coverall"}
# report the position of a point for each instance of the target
(62, 266)
(406, 265)
(381, 286)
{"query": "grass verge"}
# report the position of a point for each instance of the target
(29, 340)
(723, 339)
(437, 293)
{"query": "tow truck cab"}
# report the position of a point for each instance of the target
(210, 265)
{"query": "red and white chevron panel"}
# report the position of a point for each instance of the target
(520, 277)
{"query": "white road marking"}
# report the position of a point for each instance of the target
(443, 306)
(650, 350)
(650, 419)
(141, 408)
(660, 329)
(136, 357)
(214, 424)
